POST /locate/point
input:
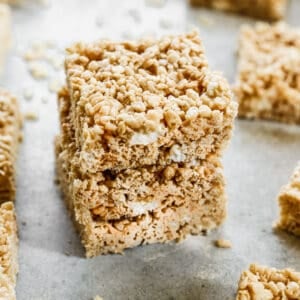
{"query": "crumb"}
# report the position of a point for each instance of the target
(99, 21)
(221, 243)
(23, 223)
(28, 93)
(67, 253)
(205, 20)
(38, 70)
(31, 116)
(55, 61)
(98, 298)
(54, 85)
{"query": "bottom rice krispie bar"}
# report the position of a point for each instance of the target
(262, 283)
(10, 135)
(264, 9)
(289, 201)
(8, 251)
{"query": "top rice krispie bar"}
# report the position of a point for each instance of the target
(264, 9)
(147, 102)
(268, 85)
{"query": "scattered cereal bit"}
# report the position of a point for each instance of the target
(31, 116)
(156, 3)
(205, 20)
(165, 23)
(28, 93)
(54, 85)
(98, 298)
(44, 2)
(221, 243)
(55, 61)
(38, 70)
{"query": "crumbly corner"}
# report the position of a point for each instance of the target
(260, 282)
(289, 202)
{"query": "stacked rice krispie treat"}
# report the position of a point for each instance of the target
(265, 283)
(264, 9)
(289, 201)
(268, 85)
(10, 135)
(143, 126)
(5, 32)
(8, 251)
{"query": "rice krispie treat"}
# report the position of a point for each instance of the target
(268, 84)
(151, 102)
(131, 192)
(264, 9)
(10, 135)
(268, 284)
(152, 224)
(8, 251)
(289, 201)
(5, 32)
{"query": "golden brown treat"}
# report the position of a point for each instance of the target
(5, 33)
(269, 284)
(10, 134)
(289, 201)
(263, 9)
(160, 225)
(222, 243)
(268, 85)
(8, 251)
(114, 194)
(151, 102)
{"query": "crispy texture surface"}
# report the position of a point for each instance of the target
(10, 134)
(150, 102)
(5, 33)
(289, 201)
(8, 251)
(111, 195)
(268, 284)
(263, 9)
(268, 85)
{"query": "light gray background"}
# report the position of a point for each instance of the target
(258, 162)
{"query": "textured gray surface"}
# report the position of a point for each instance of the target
(259, 160)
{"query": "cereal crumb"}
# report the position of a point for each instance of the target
(98, 298)
(205, 20)
(28, 93)
(54, 85)
(221, 243)
(38, 70)
(165, 23)
(31, 116)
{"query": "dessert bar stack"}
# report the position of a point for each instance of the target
(264, 9)
(143, 126)
(268, 84)
(289, 201)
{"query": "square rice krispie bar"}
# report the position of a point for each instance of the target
(10, 135)
(289, 201)
(8, 252)
(5, 32)
(268, 284)
(268, 84)
(111, 195)
(264, 9)
(151, 102)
